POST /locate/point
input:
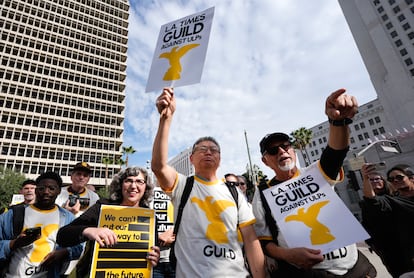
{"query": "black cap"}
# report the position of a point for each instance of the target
(82, 166)
(273, 137)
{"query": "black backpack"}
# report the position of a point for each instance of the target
(186, 193)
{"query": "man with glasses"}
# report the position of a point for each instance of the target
(279, 155)
(207, 242)
(388, 219)
(28, 234)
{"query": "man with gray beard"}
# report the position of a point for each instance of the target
(279, 155)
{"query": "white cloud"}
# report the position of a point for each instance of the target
(269, 67)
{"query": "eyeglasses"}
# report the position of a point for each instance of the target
(241, 183)
(396, 178)
(273, 150)
(204, 149)
(137, 181)
(42, 188)
(232, 183)
(375, 180)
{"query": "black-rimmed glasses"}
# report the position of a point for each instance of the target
(273, 150)
(396, 178)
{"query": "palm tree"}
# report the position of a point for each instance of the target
(126, 151)
(302, 137)
(120, 162)
(107, 161)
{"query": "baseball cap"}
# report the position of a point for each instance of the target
(82, 166)
(272, 137)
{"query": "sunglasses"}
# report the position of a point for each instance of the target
(241, 183)
(396, 178)
(232, 183)
(273, 150)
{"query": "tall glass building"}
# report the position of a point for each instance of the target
(62, 84)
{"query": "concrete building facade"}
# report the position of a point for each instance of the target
(62, 84)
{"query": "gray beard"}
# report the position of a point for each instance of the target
(287, 167)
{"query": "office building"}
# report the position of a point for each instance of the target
(62, 84)
(182, 164)
(384, 33)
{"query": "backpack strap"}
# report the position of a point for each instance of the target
(234, 193)
(270, 221)
(186, 193)
(18, 219)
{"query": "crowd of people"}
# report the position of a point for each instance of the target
(220, 230)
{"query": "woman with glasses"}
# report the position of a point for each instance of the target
(375, 180)
(131, 188)
(388, 219)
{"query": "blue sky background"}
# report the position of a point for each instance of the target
(270, 66)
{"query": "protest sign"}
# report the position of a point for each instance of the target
(180, 51)
(310, 214)
(164, 210)
(135, 230)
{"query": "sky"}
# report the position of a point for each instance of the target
(269, 67)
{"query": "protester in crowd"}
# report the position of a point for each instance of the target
(131, 187)
(377, 182)
(164, 269)
(279, 155)
(243, 186)
(388, 220)
(28, 245)
(207, 242)
(77, 197)
(28, 192)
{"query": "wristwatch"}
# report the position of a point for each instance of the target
(342, 122)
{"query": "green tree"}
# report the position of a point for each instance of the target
(10, 182)
(126, 151)
(302, 137)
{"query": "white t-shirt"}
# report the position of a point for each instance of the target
(25, 261)
(208, 243)
(337, 262)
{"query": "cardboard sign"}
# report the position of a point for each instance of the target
(17, 199)
(310, 214)
(180, 51)
(135, 229)
(164, 210)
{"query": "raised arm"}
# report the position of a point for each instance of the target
(165, 174)
(340, 108)
(366, 170)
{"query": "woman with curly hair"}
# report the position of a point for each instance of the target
(131, 187)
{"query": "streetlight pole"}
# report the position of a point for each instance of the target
(250, 160)
(374, 143)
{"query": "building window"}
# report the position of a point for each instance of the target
(409, 2)
(391, 2)
(382, 130)
(352, 140)
(360, 138)
(389, 25)
(406, 26)
(411, 35)
(375, 132)
(377, 119)
(396, 9)
(384, 17)
(366, 135)
(394, 34)
(401, 17)
(362, 125)
(398, 43)
(371, 122)
(408, 61)
(356, 127)
(380, 9)
(403, 52)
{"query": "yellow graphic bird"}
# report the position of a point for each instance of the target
(319, 233)
(216, 230)
(174, 56)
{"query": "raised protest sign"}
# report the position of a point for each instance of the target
(164, 210)
(180, 51)
(310, 214)
(135, 229)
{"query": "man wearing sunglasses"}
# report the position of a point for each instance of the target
(388, 219)
(279, 155)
